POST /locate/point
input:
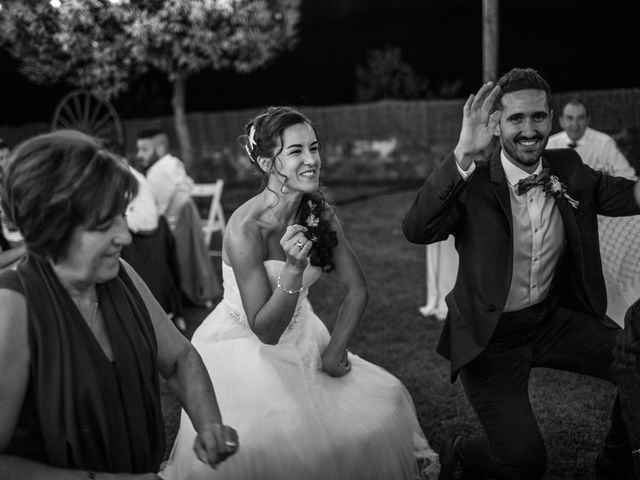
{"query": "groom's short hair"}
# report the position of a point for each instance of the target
(518, 79)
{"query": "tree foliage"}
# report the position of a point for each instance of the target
(100, 45)
(386, 75)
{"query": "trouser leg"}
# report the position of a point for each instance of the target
(578, 342)
(496, 385)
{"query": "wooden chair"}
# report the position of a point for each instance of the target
(215, 221)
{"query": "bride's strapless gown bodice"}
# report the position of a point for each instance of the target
(293, 420)
(232, 302)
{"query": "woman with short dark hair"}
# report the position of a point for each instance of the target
(81, 338)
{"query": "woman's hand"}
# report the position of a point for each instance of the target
(336, 365)
(296, 246)
(215, 443)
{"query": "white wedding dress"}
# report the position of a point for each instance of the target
(293, 420)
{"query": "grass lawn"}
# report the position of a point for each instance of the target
(572, 410)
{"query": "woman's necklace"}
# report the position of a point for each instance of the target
(94, 312)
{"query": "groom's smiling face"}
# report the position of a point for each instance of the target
(524, 127)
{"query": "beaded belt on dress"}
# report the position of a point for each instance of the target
(241, 318)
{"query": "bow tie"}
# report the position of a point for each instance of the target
(531, 181)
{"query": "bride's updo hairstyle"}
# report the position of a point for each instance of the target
(264, 138)
(59, 181)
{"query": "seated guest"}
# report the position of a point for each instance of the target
(152, 251)
(171, 189)
(82, 340)
(164, 172)
(596, 149)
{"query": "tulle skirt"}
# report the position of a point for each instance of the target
(296, 422)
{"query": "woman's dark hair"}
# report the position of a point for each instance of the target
(264, 138)
(315, 214)
(59, 181)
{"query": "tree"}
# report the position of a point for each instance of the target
(102, 44)
(386, 75)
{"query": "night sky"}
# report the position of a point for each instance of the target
(575, 44)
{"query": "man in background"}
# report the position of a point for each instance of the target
(165, 173)
(597, 149)
(617, 235)
(171, 189)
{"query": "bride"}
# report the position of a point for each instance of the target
(303, 405)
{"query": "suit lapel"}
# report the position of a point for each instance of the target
(574, 239)
(567, 212)
(499, 185)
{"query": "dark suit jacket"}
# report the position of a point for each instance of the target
(478, 213)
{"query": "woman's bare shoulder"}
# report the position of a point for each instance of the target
(13, 321)
(12, 303)
(248, 225)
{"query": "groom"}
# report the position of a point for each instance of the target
(530, 290)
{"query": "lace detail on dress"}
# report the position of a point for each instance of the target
(241, 318)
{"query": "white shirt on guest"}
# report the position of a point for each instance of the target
(598, 150)
(167, 176)
(142, 214)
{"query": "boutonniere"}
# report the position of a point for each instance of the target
(555, 187)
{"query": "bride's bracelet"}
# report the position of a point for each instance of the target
(286, 290)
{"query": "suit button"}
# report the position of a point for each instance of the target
(491, 307)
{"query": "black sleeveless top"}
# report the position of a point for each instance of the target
(80, 410)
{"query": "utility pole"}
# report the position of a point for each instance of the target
(489, 40)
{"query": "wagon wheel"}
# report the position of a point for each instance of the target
(83, 111)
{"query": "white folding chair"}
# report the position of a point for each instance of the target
(215, 219)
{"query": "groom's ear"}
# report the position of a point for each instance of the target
(496, 130)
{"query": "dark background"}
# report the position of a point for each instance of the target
(576, 45)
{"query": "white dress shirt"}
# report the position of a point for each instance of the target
(598, 150)
(538, 238)
(166, 177)
(142, 214)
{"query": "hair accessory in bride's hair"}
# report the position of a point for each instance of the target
(252, 141)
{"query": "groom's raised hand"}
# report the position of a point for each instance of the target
(478, 125)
